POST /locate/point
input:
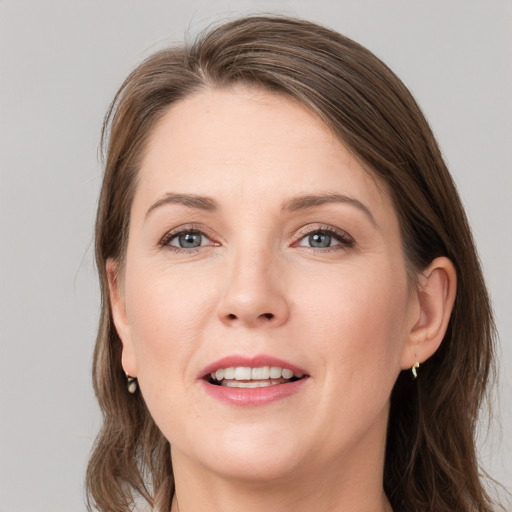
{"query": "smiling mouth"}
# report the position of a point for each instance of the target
(253, 377)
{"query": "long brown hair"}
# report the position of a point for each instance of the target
(431, 462)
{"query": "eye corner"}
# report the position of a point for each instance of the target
(328, 239)
(189, 238)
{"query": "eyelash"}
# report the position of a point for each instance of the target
(344, 239)
(184, 230)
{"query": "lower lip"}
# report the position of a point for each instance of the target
(251, 397)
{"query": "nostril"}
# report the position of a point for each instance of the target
(264, 316)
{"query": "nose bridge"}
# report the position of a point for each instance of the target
(254, 292)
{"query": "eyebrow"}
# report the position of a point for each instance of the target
(291, 205)
(312, 201)
(189, 200)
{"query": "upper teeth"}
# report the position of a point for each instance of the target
(260, 373)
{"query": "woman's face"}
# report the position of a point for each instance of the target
(261, 252)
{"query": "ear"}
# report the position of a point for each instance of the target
(118, 305)
(434, 299)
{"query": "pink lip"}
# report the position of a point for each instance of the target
(247, 397)
(254, 362)
(250, 397)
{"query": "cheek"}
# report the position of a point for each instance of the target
(359, 320)
(357, 331)
(167, 315)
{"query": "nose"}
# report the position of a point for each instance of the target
(254, 293)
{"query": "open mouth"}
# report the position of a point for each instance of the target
(249, 377)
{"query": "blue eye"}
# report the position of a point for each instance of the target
(320, 240)
(186, 240)
(326, 239)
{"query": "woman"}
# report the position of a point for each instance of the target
(294, 316)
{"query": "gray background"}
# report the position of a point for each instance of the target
(60, 65)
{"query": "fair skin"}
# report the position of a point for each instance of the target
(229, 256)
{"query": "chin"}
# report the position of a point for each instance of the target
(255, 453)
(256, 468)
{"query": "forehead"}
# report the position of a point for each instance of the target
(251, 144)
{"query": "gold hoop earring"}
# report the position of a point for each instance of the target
(132, 384)
(414, 368)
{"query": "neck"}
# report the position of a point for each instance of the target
(233, 498)
(354, 485)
